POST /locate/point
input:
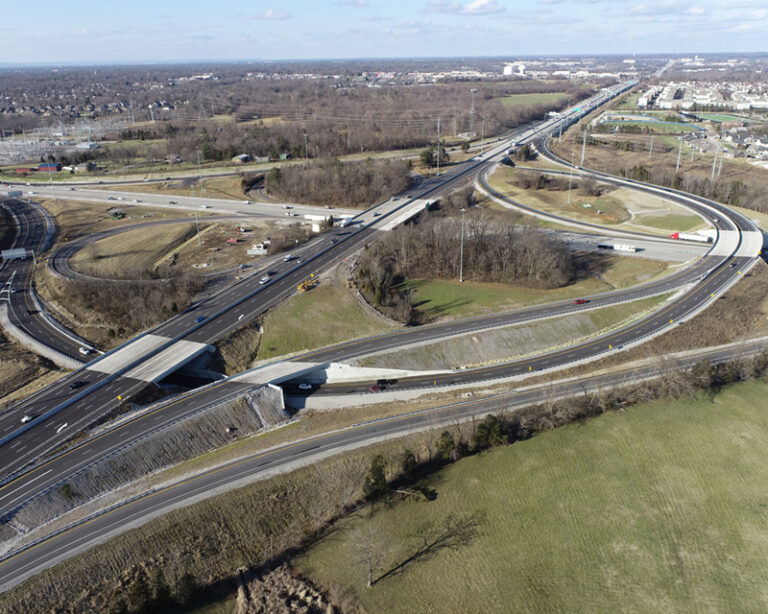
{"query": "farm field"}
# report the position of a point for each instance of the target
(659, 508)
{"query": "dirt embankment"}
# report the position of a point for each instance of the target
(279, 591)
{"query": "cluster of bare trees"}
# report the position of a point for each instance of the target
(132, 306)
(493, 251)
(747, 194)
(343, 121)
(330, 182)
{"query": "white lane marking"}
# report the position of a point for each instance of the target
(25, 483)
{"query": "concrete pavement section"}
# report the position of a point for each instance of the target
(155, 368)
(276, 372)
(406, 214)
(727, 243)
(751, 244)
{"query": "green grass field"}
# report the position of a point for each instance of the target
(660, 508)
(629, 102)
(451, 299)
(322, 316)
(720, 117)
(526, 100)
(656, 126)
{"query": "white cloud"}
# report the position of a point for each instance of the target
(354, 3)
(270, 15)
(475, 7)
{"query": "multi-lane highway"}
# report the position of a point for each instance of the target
(206, 322)
(212, 319)
(125, 199)
(35, 233)
(17, 566)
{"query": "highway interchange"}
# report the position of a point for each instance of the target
(708, 277)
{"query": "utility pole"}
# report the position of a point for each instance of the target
(650, 149)
(692, 150)
(583, 148)
(720, 168)
(714, 164)
(560, 135)
(461, 256)
(679, 151)
(437, 151)
(306, 150)
(570, 179)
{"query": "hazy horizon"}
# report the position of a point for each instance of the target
(91, 33)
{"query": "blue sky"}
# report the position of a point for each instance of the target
(177, 30)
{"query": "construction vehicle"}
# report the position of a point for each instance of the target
(307, 284)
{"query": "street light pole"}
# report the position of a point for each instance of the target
(437, 151)
(197, 225)
(461, 256)
(482, 136)
(472, 111)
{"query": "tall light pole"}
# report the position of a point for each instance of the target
(306, 150)
(482, 136)
(461, 255)
(197, 225)
(570, 179)
(472, 111)
(200, 173)
(679, 152)
(437, 151)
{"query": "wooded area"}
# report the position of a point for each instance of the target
(494, 251)
(329, 182)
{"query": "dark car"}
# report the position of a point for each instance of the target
(581, 301)
(76, 384)
(199, 319)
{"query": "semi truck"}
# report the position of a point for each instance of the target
(684, 236)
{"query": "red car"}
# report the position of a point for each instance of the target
(581, 301)
(376, 388)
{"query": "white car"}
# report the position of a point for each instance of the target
(205, 206)
(264, 280)
(84, 350)
(287, 207)
(305, 386)
(26, 418)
